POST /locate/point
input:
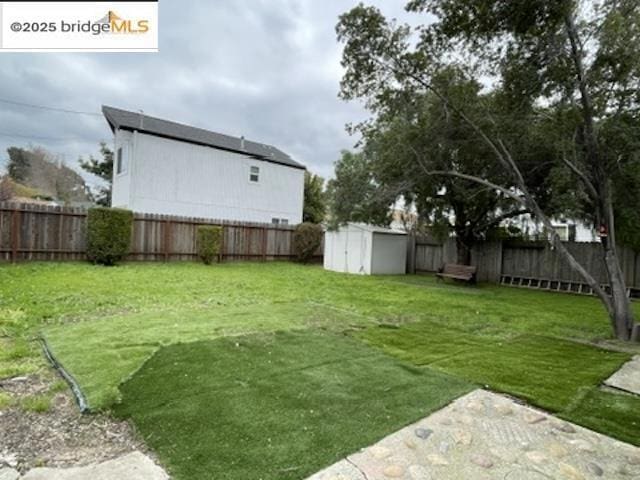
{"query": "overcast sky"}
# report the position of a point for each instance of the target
(265, 69)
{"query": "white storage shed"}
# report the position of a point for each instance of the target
(366, 250)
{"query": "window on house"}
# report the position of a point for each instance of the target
(275, 221)
(119, 161)
(562, 231)
(284, 221)
(254, 174)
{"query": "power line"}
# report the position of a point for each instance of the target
(35, 137)
(53, 109)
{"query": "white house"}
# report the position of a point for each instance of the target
(366, 250)
(169, 168)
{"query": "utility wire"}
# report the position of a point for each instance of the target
(53, 109)
(34, 137)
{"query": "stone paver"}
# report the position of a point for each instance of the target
(9, 474)
(133, 466)
(486, 436)
(627, 378)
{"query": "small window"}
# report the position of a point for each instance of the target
(119, 165)
(284, 221)
(562, 231)
(275, 221)
(254, 174)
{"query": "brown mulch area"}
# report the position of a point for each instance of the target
(61, 436)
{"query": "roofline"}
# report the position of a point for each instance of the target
(203, 144)
(387, 231)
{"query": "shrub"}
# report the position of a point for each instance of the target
(108, 234)
(208, 242)
(307, 238)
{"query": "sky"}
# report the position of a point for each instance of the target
(265, 69)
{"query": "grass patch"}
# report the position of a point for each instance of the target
(36, 403)
(555, 374)
(5, 400)
(276, 407)
(617, 414)
(102, 354)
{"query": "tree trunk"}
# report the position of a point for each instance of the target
(622, 315)
(463, 251)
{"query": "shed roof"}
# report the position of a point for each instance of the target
(126, 120)
(376, 229)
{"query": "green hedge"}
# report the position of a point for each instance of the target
(108, 234)
(208, 243)
(307, 238)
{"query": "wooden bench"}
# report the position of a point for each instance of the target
(465, 273)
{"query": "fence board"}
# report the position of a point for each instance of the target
(538, 261)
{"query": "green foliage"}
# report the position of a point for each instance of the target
(208, 242)
(102, 168)
(272, 402)
(354, 195)
(19, 165)
(108, 234)
(307, 238)
(315, 205)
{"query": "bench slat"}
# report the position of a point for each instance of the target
(459, 272)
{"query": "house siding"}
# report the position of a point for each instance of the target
(120, 195)
(180, 178)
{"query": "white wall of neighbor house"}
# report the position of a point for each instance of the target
(167, 176)
(122, 153)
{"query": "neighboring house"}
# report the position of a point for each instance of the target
(165, 167)
(568, 229)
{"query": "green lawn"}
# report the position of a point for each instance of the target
(555, 374)
(105, 324)
(275, 406)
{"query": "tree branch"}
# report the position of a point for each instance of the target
(505, 216)
(593, 193)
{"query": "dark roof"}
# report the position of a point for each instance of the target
(126, 120)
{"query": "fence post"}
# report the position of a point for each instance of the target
(221, 252)
(15, 234)
(411, 253)
(167, 239)
(264, 244)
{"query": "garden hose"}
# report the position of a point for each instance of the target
(75, 388)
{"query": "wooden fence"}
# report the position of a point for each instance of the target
(36, 232)
(497, 261)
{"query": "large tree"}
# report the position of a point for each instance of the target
(103, 168)
(315, 205)
(18, 166)
(354, 196)
(414, 134)
(567, 55)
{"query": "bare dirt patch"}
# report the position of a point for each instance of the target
(59, 436)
